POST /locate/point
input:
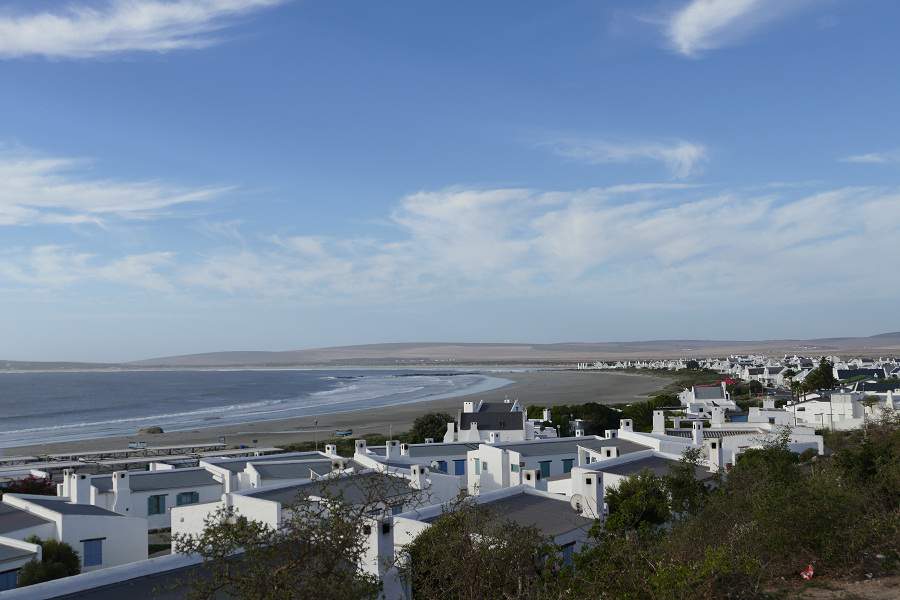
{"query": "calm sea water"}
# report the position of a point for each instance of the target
(51, 407)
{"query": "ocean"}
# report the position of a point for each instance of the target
(45, 407)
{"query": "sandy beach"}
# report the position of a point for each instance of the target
(543, 388)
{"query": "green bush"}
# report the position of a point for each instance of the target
(58, 560)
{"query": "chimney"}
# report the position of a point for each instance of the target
(579, 433)
(659, 421)
(417, 477)
(589, 485)
(715, 454)
(547, 416)
(493, 437)
(584, 456)
(404, 449)
(360, 447)
(429, 440)
(611, 433)
(121, 486)
(450, 436)
(769, 403)
(532, 478)
(468, 406)
(390, 448)
(697, 433)
(610, 451)
(626, 425)
(79, 488)
(331, 449)
(64, 490)
(338, 465)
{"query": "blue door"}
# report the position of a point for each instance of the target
(8, 579)
(93, 552)
(459, 467)
(545, 469)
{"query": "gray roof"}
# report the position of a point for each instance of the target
(237, 465)
(170, 479)
(355, 489)
(550, 516)
(713, 433)
(570, 446)
(103, 483)
(655, 464)
(492, 421)
(11, 552)
(14, 519)
(297, 470)
(423, 450)
(67, 508)
(708, 392)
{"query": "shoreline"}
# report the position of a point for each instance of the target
(534, 387)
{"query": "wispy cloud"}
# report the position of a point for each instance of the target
(36, 189)
(623, 245)
(54, 267)
(702, 25)
(682, 158)
(874, 158)
(90, 29)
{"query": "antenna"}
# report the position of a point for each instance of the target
(576, 502)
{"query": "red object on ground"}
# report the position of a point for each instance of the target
(729, 381)
(807, 573)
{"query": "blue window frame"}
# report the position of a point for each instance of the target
(156, 505)
(442, 466)
(567, 465)
(9, 579)
(545, 468)
(459, 467)
(93, 552)
(186, 498)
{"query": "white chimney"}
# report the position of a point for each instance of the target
(718, 416)
(79, 488)
(715, 454)
(331, 449)
(547, 416)
(697, 433)
(360, 447)
(579, 433)
(626, 425)
(468, 406)
(450, 436)
(769, 403)
(390, 448)
(429, 440)
(121, 486)
(417, 477)
(611, 433)
(493, 437)
(659, 421)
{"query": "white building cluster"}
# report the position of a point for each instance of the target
(556, 484)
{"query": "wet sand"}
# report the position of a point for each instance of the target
(541, 388)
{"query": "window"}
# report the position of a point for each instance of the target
(93, 552)
(567, 465)
(477, 466)
(545, 468)
(514, 468)
(396, 509)
(156, 505)
(185, 498)
(483, 466)
(442, 466)
(8, 579)
(771, 420)
(459, 467)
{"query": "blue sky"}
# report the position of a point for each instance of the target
(198, 175)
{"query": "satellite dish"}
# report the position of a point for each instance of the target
(576, 502)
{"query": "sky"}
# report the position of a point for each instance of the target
(182, 176)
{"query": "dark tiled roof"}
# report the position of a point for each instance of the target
(14, 519)
(67, 508)
(170, 479)
(550, 516)
(236, 466)
(712, 433)
(708, 392)
(421, 450)
(492, 421)
(880, 386)
(355, 489)
(655, 464)
(103, 483)
(851, 373)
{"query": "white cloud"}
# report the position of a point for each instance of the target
(874, 158)
(703, 25)
(90, 29)
(682, 245)
(58, 191)
(648, 246)
(54, 267)
(682, 158)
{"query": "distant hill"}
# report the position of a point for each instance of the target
(438, 353)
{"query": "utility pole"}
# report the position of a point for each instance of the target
(316, 434)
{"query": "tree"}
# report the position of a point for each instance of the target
(639, 501)
(692, 365)
(317, 553)
(687, 494)
(821, 378)
(431, 425)
(470, 552)
(58, 560)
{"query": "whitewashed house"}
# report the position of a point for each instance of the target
(491, 421)
(701, 399)
(101, 537)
